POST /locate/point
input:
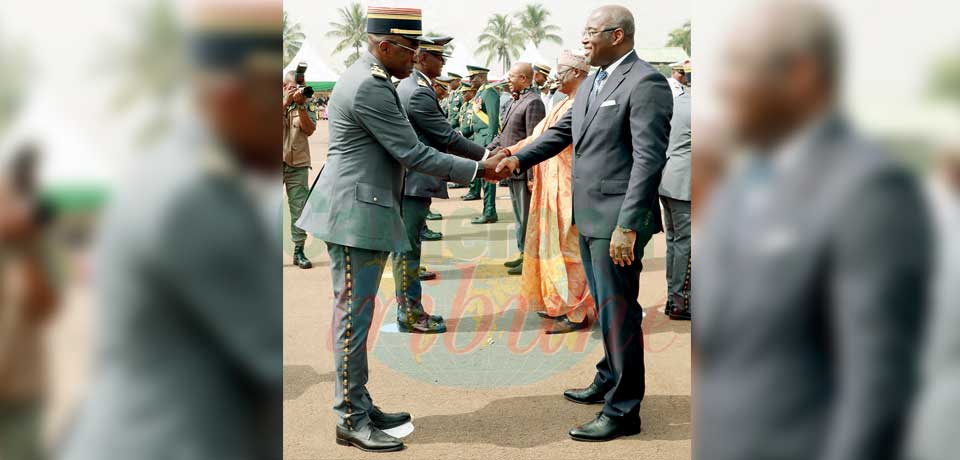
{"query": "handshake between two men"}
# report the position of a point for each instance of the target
(498, 166)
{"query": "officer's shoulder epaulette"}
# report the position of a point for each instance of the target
(423, 82)
(378, 72)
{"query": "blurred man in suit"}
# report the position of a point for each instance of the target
(619, 126)
(518, 123)
(189, 342)
(811, 263)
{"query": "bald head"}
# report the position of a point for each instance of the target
(608, 35)
(616, 16)
(520, 76)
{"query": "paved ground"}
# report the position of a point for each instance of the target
(491, 387)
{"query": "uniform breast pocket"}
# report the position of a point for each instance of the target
(372, 194)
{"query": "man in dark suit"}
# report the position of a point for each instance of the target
(810, 263)
(521, 116)
(619, 126)
(428, 120)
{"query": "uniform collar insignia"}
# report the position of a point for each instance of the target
(378, 72)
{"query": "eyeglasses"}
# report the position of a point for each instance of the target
(412, 50)
(589, 33)
(563, 74)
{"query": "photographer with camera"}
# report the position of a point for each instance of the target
(28, 300)
(299, 122)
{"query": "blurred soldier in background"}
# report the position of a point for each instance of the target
(28, 300)
(465, 117)
(811, 263)
(485, 120)
(299, 122)
(540, 86)
(454, 100)
(189, 338)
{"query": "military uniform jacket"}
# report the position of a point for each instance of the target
(454, 102)
(422, 108)
(296, 147)
(486, 114)
(356, 198)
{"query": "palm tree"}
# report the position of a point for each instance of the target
(500, 40)
(351, 30)
(533, 22)
(681, 37)
(150, 67)
(293, 38)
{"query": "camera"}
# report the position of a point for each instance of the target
(301, 79)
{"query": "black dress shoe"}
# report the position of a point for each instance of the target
(428, 275)
(424, 324)
(604, 428)
(368, 438)
(518, 270)
(470, 197)
(563, 325)
(429, 235)
(300, 260)
(592, 394)
(386, 420)
(544, 315)
(434, 216)
(679, 315)
(484, 219)
(514, 262)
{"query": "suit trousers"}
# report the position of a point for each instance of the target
(406, 265)
(677, 227)
(356, 275)
(615, 289)
(297, 183)
(520, 196)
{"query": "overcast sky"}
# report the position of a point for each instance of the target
(465, 20)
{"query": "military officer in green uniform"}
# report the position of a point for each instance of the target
(299, 122)
(486, 126)
(355, 207)
(454, 100)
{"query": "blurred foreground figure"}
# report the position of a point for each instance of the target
(189, 353)
(812, 263)
(936, 433)
(27, 303)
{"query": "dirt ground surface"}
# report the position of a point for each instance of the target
(490, 388)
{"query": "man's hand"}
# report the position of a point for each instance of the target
(298, 96)
(490, 171)
(621, 246)
(508, 165)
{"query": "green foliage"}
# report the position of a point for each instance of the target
(501, 40)
(533, 23)
(946, 77)
(351, 30)
(293, 38)
(681, 37)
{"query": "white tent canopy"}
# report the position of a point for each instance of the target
(317, 69)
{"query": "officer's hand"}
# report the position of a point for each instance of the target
(621, 247)
(490, 171)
